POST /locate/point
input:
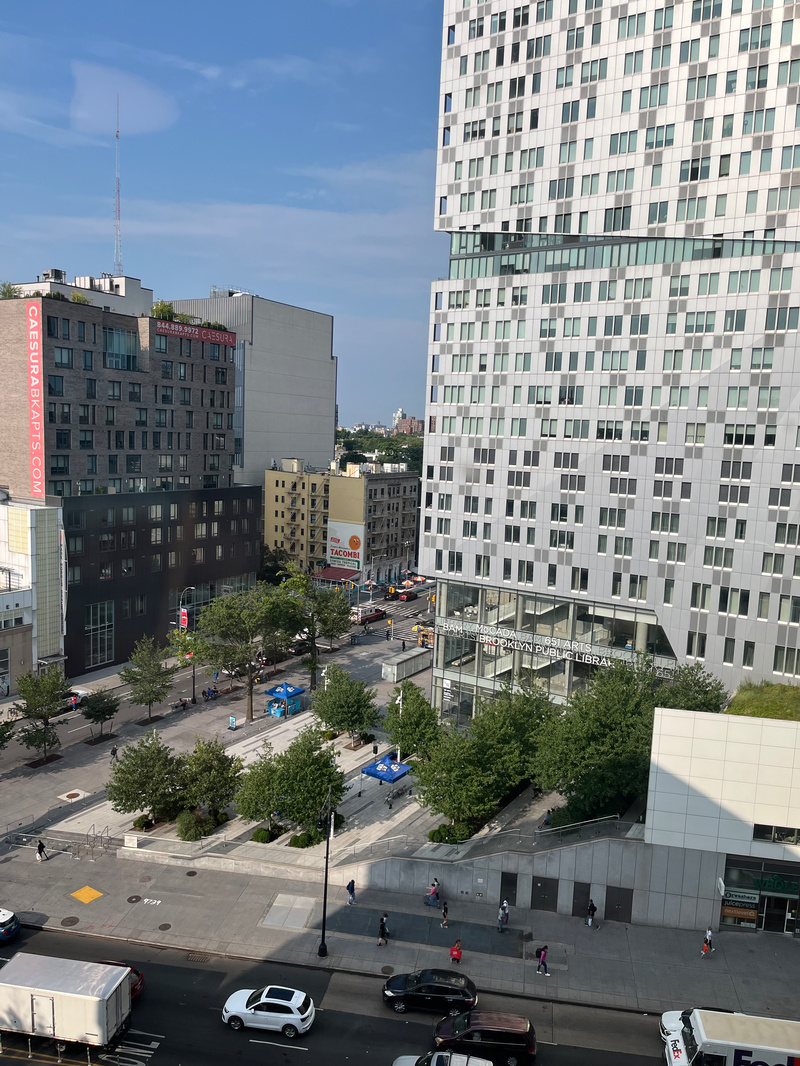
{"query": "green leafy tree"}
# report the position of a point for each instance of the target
(300, 584)
(333, 614)
(212, 776)
(6, 730)
(148, 675)
(149, 777)
(597, 753)
(43, 696)
(258, 790)
(8, 291)
(305, 771)
(692, 689)
(100, 707)
(455, 781)
(345, 704)
(282, 621)
(230, 634)
(79, 298)
(412, 728)
(273, 563)
(497, 751)
(164, 310)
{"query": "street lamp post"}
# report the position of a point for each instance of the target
(324, 821)
(189, 588)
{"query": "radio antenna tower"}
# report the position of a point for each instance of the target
(117, 231)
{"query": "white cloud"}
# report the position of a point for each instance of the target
(410, 174)
(21, 113)
(143, 107)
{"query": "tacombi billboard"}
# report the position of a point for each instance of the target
(346, 545)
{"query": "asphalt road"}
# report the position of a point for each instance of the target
(177, 1020)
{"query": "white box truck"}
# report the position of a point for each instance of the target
(63, 999)
(714, 1038)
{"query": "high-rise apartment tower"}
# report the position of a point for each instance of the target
(612, 460)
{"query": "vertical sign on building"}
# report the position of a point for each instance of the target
(35, 397)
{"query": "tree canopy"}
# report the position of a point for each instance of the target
(692, 688)
(211, 776)
(100, 707)
(346, 704)
(149, 777)
(412, 728)
(294, 784)
(597, 752)
(333, 614)
(470, 771)
(43, 696)
(149, 676)
(400, 449)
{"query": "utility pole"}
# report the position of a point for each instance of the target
(117, 228)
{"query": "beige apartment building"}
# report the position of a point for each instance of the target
(363, 521)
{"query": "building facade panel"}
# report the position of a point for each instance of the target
(611, 380)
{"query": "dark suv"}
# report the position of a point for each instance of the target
(506, 1039)
(438, 990)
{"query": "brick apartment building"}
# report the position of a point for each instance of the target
(127, 421)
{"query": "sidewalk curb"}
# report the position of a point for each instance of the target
(328, 968)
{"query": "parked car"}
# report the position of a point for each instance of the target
(438, 990)
(9, 925)
(506, 1039)
(282, 1010)
(393, 595)
(136, 976)
(408, 595)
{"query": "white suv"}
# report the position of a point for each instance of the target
(283, 1010)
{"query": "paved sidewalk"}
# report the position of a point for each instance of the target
(259, 917)
(135, 899)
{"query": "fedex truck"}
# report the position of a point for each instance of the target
(713, 1038)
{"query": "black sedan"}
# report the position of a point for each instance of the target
(439, 991)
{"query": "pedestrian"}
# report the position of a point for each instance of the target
(388, 631)
(404, 645)
(500, 917)
(504, 909)
(541, 955)
(709, 935)
(591, 910)
(351, 892)
(41, 854)
(383, 932)
(455, 952)
(706, 948)
(114, 753)
(444, 915)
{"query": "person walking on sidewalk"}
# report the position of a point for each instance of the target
(709, 935)
(41, 854)
(500, 917)
(383, 932)
(504, 909)
(114, 753)
(541, 955)
(455, 952)
(444, 915)
(591, 910)
(351, 892)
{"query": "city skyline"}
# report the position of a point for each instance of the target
(275, 166)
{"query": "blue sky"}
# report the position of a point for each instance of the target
(284, 148)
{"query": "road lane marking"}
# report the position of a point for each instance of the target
(272, 1043)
